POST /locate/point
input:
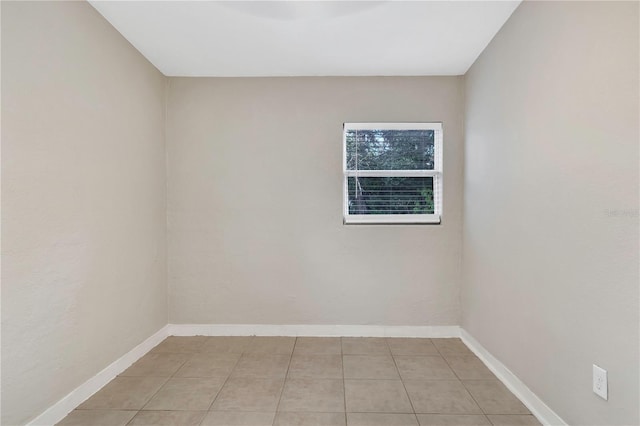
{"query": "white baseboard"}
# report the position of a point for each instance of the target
(538, 408)
(60, 409)
(312, 330)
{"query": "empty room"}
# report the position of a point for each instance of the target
(324, 213)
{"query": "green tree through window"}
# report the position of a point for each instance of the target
(390, 150)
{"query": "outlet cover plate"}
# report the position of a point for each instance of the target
(600, 385)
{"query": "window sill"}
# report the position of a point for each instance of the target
(384, 219)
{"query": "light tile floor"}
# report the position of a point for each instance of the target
(255, 381)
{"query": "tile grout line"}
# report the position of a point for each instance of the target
(227, 379)
(344, 385)
(402, 381)
(167, 379)
(462, 383)
(190, 355)
(134, 416)
(284, 383)
(225, 382)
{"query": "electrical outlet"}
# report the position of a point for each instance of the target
(600, 382)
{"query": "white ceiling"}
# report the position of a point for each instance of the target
(308, 38)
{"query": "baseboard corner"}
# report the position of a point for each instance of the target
(60, 409)
(538, 408)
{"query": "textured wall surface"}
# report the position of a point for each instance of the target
(255, 205)
(551, 204)
(83, 201)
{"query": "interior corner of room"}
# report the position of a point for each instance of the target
(151, 189)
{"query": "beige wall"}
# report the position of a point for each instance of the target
(255, 205)
(551, 204)
(83, 201)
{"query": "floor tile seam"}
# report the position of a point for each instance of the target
(453, 353)
(170, 411)
(223, 385)
(105, 409)
(435, 378)
(302, 375)
(310, 377)
(163, 384)
(284, 382)
(379, 412)
(432, 379)
(344, 386)
(375, 354)
(153, 353)
(417, 338)
(394, 380)
(474, 398)
(466, 389)
(191, 355)
(131, 420)
(493, 377)
(404, 387)
(483, 413)
(146, 401)
(449, 413)
(368, 352)
(437, 348)
(209, 376)
(370, 378)
(398, 377)
(405, 355)
(439, 413)
(241, 411)
(311, 411)
(181, 410)
(205, 416)
(443, 413)
(452, 370)
(257, 376)
(489, 423)
(493, 424)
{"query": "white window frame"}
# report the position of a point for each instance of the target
(436, 173)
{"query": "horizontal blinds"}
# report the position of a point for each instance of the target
(391, 173)
(380, 149)
(390, 195)
(393, 170)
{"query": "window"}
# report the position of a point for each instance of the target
(392, 173)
